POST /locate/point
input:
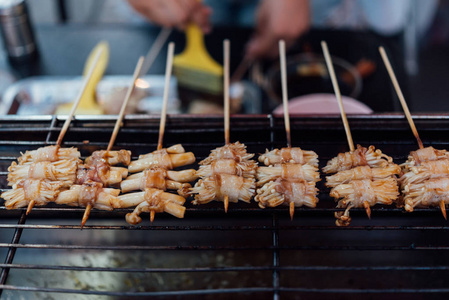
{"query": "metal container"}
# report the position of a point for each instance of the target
(16, 30)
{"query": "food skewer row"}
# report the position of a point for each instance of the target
(419, 195)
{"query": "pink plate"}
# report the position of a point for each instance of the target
(323, 104)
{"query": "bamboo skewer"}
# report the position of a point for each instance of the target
(406, 110)
(117, 126)
(131, 87)
(154, 50)
(283, 63)
(337, 94)
(72, 112)
(78, 99)
(168, 71)
(400, 95)
(226, 53)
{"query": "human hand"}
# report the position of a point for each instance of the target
(276, 20)
(175, 13)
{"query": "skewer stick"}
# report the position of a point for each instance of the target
(226, 203)
(443, 209)
(226, 53)
(78, 99)
(30, 206)
(337, 94)
(292, 210)
(168, 71)
(400, 95)
(86, 215)
(118, 123)
(154, 50)
(283, 62)
(367, 209)
(152, 214)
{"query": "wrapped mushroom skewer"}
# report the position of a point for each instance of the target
(98, 165)
(364, 176)
(156, 177)
(227, 174)
(48, 154)
(291, 176)
(419, 187)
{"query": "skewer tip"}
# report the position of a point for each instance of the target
(367, 209)
(292, 210)
(30, 206)
(86, 215)
(226, 203)
(443, 209)
(152, 214)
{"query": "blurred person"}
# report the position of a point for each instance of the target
(353, 29)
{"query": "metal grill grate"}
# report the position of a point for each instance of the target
(248, 252)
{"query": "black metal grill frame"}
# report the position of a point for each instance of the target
(425, 228)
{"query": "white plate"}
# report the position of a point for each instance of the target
(323, 104)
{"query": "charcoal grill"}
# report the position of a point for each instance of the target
(248, 252)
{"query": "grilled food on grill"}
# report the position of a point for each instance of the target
(161, 179)
(227, 174)
(152, 200)
(359, 157)
(289, 155)
(279, 191)
(220, 186)
(167, 158)
(89, 193)
(362, 172)
(363, 193)
(62, 170)
(98, 167)
(157, 178)
(425, 179)
(49, 153)
(365, 177)
(289, 179)
(27, 190)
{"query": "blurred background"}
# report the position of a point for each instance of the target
(65, 31)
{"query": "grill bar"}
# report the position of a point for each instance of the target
(247, 290)
(219, 248)
(226, 269)
(276, 257)
(11, 252)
